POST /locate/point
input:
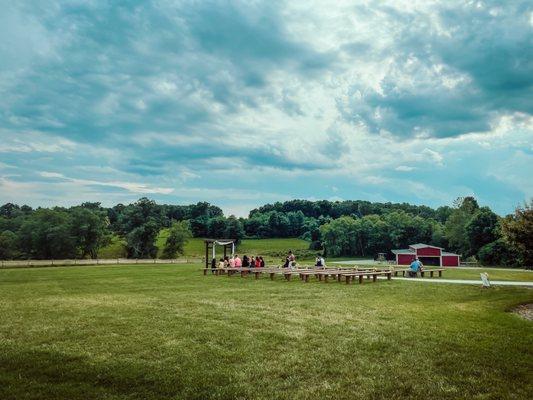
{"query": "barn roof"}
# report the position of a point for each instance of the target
(422, 245)
(445, 253)
(403, 251)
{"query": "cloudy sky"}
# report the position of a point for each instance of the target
(244, 103)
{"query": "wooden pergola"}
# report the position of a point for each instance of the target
(210, 244)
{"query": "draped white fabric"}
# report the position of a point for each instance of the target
(223, 244)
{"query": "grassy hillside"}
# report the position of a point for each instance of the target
(168, 332)
(273, 248)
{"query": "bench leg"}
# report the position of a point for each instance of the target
(389, 276)
(272, 276)
(403, 273)
(440, 274)
(374, 277)
(306, 278)
(395, 273)
(339, 276)
(319, 277)
(288, 277)
(348, 278)
(361, 279)
(326, 278)
(431, 274)
(421, 274)
(257, 275)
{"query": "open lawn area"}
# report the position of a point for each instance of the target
(168, 332)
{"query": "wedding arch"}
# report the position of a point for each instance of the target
(210, 247)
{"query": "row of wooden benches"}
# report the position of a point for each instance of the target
(349, 275)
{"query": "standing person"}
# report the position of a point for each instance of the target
(238, 261)
(262, 262)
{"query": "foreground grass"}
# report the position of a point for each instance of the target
(158, 332)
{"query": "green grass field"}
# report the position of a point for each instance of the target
(168, 332)
(195, 247)
(271, 248)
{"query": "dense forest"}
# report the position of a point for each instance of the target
(339, 228)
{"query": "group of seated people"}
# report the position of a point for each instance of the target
(290, 261)
(415, 267)
(236, 262)
(258, 262)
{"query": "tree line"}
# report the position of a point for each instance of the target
(339, 228)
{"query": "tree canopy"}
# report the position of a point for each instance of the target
(340, 228)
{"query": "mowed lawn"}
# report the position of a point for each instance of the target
(168, 332)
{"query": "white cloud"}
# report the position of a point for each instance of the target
(404, 168)
(133, 187)
(433, 155)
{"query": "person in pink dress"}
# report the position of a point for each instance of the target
(238, 262)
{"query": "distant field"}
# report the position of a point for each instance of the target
(269, 247)
(168, 332)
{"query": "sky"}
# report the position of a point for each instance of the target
(246, 103)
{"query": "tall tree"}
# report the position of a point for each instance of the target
(234, 229)
(481, 229)
(47, 234)
(178, 235)
(141, 240)
(517, 230)
(89, 227)
(8, 245)
(464, 209)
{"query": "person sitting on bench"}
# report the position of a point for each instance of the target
(414, 268)
(319, 262)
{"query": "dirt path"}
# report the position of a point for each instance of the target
(465, 281)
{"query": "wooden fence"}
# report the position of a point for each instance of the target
(115, 261)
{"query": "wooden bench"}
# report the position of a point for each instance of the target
(403, 271)
(432, 271)
(361, 274)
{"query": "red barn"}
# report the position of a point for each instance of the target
(429, 255)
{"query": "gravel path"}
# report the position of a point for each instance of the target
(466, 281)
